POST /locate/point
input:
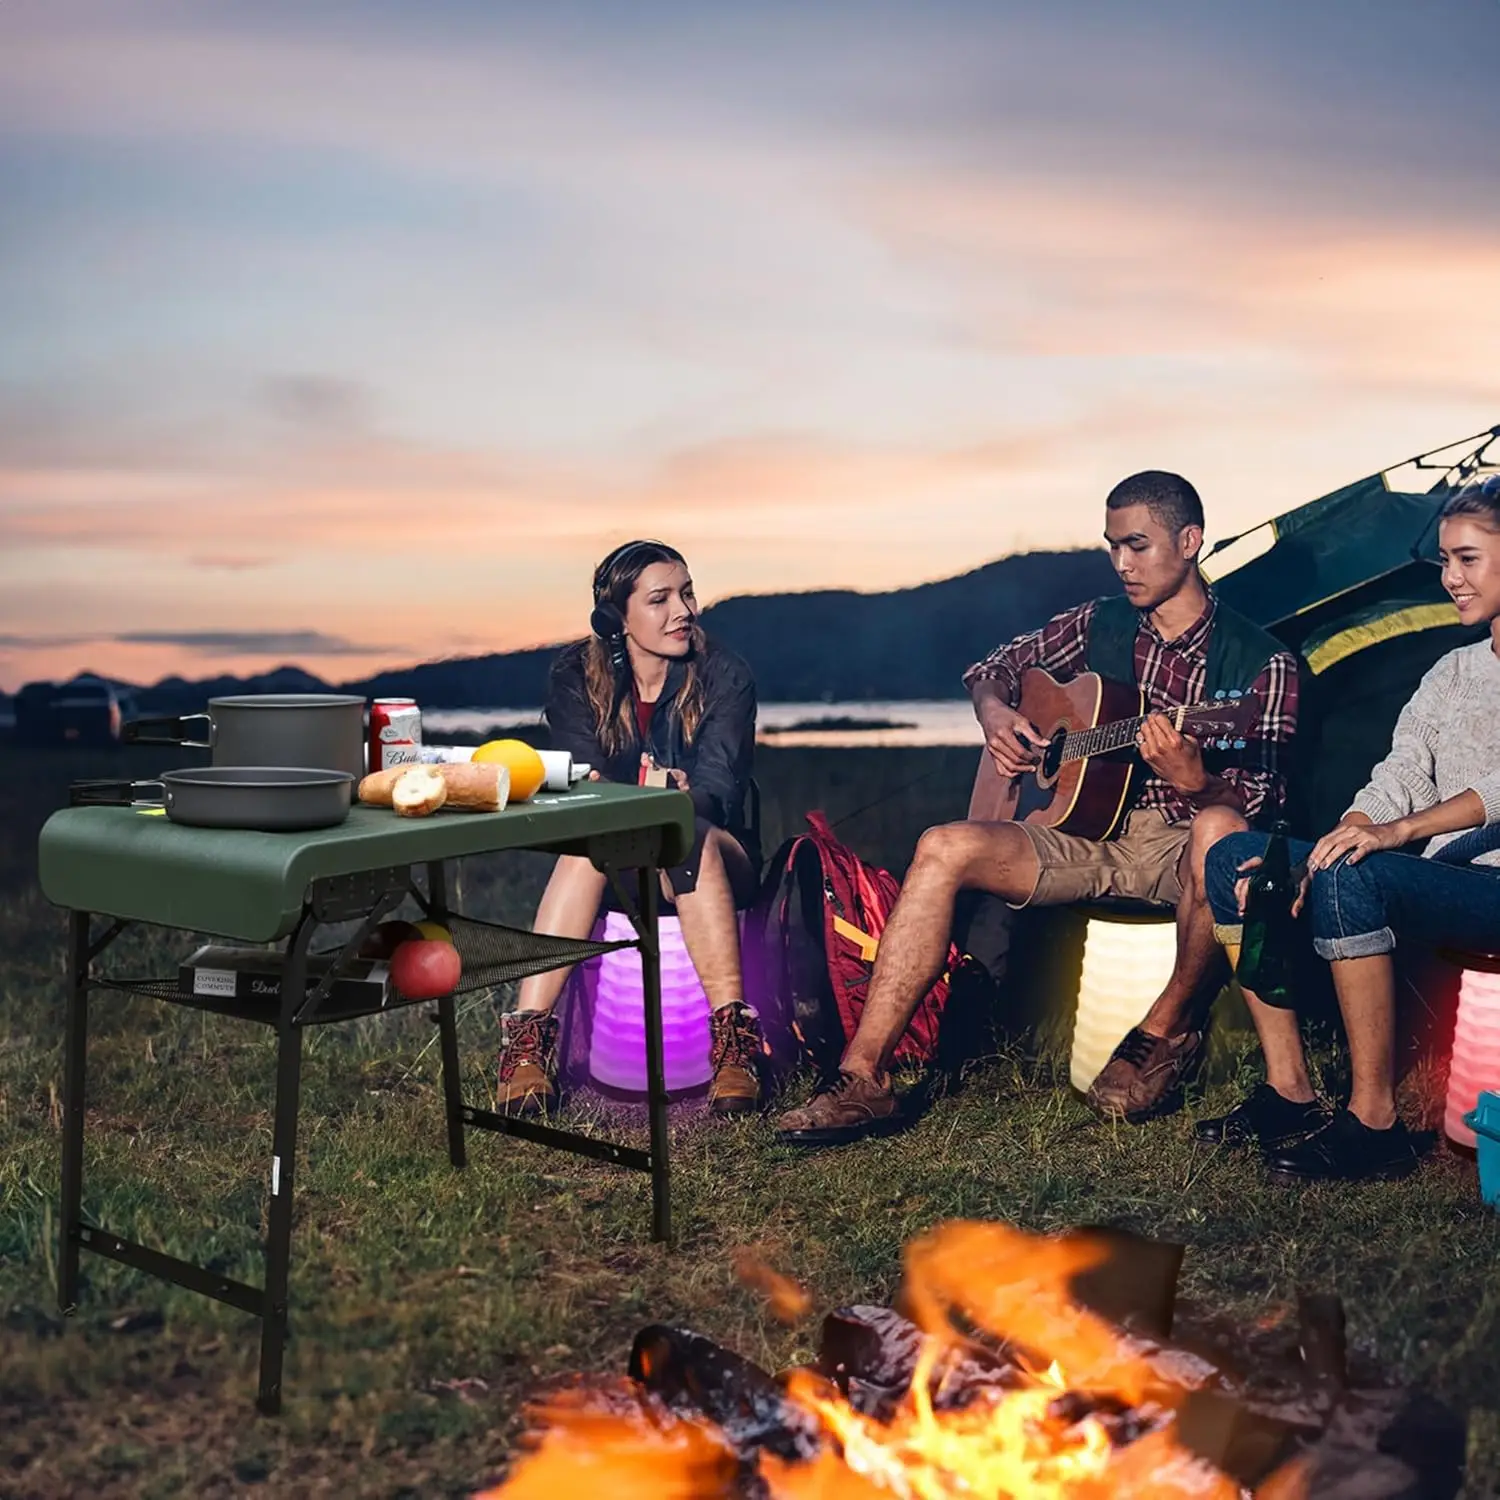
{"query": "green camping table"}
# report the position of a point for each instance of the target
(131, 865)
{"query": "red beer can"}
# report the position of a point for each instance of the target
(395, 733)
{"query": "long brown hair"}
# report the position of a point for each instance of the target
(614, 712)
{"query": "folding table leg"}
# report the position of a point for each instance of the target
(283, 1165)
(453, 1102)
(656, 1081)
(75, 1045)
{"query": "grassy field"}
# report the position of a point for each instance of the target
(427, 1302)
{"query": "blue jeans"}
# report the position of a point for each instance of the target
(1357, 909)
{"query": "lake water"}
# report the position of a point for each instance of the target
(942, 722)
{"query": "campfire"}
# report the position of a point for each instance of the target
(1014, 1365)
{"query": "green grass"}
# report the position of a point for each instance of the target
(428, 1302)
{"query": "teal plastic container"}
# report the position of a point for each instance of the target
(1484, 1121)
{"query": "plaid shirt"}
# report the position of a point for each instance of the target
(1170, 674)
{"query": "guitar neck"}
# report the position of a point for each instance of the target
(1103, 738)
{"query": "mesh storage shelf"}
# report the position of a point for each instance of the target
(491, 954)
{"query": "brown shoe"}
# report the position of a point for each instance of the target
(844, 1110)
(1144, 1076)
(528, 1063)
(736, 1051)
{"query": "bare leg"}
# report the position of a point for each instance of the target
(1367, 998)
(1280, 1043)
(710, 932)
(568, 908)
(1197, 947)
(995, 857)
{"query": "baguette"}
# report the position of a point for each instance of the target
(476, 788)
(375, 789)
(417, 791)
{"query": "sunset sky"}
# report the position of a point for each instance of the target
(354, 333)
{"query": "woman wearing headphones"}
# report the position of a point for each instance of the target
(648, 689)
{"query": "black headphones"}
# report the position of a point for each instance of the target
(606, 621)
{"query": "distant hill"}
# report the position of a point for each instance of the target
(834, 645)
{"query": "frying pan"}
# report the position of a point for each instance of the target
(273, 798)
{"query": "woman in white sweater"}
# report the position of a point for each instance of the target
(1436, 799)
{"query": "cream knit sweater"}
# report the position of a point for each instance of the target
(1447, 741)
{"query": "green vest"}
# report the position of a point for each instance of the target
(1238, 649)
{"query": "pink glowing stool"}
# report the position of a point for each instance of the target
(617, 1047)
(1475, 1066)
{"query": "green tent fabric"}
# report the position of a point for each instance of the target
(1335, 546)
(1350, 583)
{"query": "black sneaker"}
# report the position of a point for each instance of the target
(1263, 1118)
(1347, 1150)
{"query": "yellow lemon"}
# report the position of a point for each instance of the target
(434, 932)
(527, 772)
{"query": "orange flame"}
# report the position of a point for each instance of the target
(1005, 1442)
(788, 1301)
(1015, 1286)
(620, 1444)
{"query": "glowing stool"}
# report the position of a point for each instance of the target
(1475, 1065)
(617, 1047)
(1127, 960)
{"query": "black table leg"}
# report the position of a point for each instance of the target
(656, 1082)
(453, 1102)
(75, 1052)
(283, 1165)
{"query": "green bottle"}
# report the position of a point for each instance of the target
(1268, 941)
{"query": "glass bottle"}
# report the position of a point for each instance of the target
(1267, 945)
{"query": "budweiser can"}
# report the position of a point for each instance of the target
(395, 733)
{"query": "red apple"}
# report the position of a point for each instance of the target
(386, 938)
(426, 969)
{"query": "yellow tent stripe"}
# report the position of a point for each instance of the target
(1345, 643)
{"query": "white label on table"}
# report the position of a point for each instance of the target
(275, 1175)
(214, 982)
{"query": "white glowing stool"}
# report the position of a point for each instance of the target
(617, 1047)
(1475, 1065)
(1127, 961)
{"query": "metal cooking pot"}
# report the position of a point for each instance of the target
(272, 798)
(268, 729)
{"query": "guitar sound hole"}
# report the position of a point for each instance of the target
(1052, 756)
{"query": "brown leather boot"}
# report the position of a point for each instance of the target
(528, 1063)
(843, 1109)
(736, 1051)
(1145, 1076)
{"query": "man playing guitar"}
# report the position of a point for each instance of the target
(1179, 645)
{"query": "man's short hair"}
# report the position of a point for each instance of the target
(1172, 501)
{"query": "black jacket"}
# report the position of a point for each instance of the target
(718, 762)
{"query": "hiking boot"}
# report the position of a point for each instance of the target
(1144, 1076)
(528, 1063)
(735, 1052)
(1263, 1118)
(1348, 1150)
(844, 1110)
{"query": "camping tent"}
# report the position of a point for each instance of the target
(1350, 582)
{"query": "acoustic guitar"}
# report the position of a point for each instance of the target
(1081, 784)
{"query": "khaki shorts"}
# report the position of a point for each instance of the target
(1140, 861)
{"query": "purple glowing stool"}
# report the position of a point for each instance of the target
(617, 1047)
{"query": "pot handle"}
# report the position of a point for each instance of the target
(109, 793)
(171, 730)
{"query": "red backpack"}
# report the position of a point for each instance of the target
(813, 934)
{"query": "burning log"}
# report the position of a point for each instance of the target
(1015, 1366)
